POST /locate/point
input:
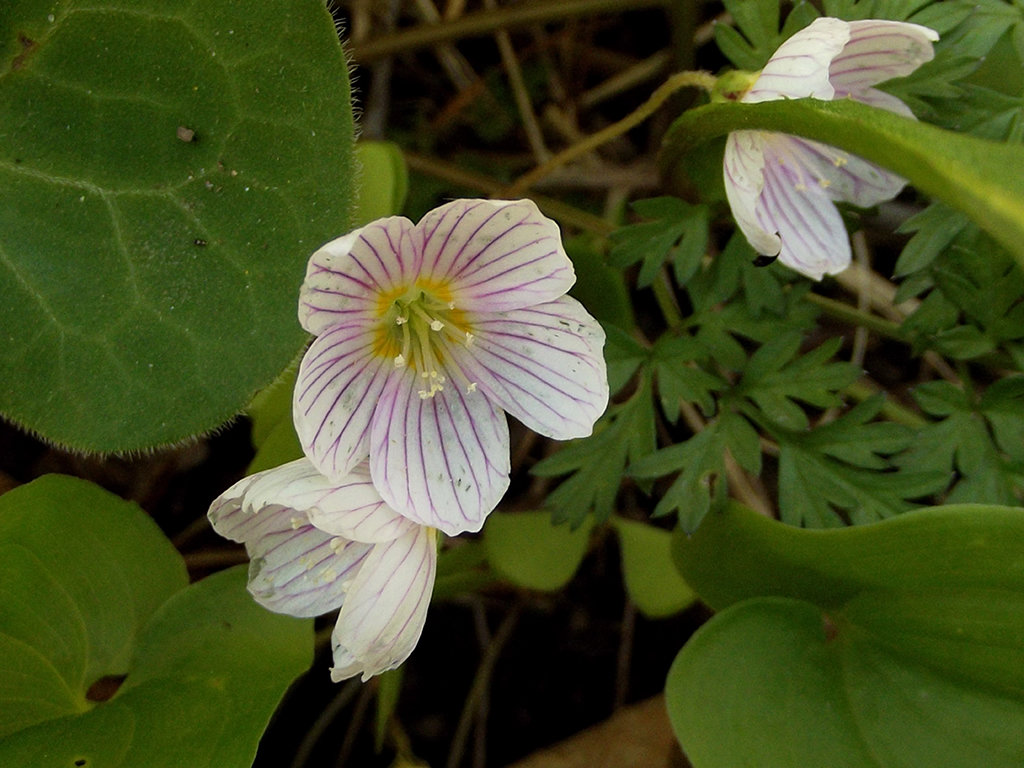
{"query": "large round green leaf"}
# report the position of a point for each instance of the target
(166, 168)
(91, 590)
(894, 644)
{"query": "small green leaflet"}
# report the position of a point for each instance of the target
(676, 232)
(625, 433)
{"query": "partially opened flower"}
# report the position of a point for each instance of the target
(316, 545)
(425, 334)
(782, 188)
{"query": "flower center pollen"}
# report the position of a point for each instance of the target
(421, 326)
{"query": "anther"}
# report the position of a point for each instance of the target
(437, 325)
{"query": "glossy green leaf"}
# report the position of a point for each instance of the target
(531, 552)
(166, 170)
(81, 572)
(892, 644)
(92, 590)
(652, 580)
(984, 179)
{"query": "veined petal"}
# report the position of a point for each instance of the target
(345, 277)
(494, 255)
(542, 364)
(883, 100)
(879, 50)
(383, 617)
(795, 204)
(847, 177)
(351, 507)
(744, 182)
(443, 460)
(800, 66)
(340, 378)
(294, 568)
(354, 509)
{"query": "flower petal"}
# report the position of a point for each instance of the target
(340, 378)
(795, 204)
(495, 255)
(876, 98)
(542, 364)
(383, 616)
(351, 508)
(441, 461)
(847, 177)
(800, 66)
(354, 509)
(879, 50)
(346, 276)
(295, 568)
(744, 182)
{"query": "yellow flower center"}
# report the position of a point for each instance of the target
(417, 325)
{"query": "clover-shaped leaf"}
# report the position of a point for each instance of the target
(165, 168)
(108, 658)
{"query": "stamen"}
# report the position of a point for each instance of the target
(437, 325)
(824, 183)
(469, 338)
(471, 388)
(399, 361)
(401, 320)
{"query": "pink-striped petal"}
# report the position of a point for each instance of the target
(339, 380)
(294, 567)
(876, 98)
(542, 364)
(846, 177)
(386, 608)
(879, 50)
(441, 461)
(351, 507)
(744, 182)
(795, 204)
(346, 277)
(800, 67)
(354, 509)
(494, 255)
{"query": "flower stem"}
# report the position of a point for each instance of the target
(857, 317)
(704, 80)
(486, 22)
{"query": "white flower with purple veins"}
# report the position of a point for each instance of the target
(782, 188)
(315, 545)
(425, 334)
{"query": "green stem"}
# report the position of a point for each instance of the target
(893, 411)
(857, 317)
(567, 214)
(704, 80)
(487, 22)
(666, 298)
